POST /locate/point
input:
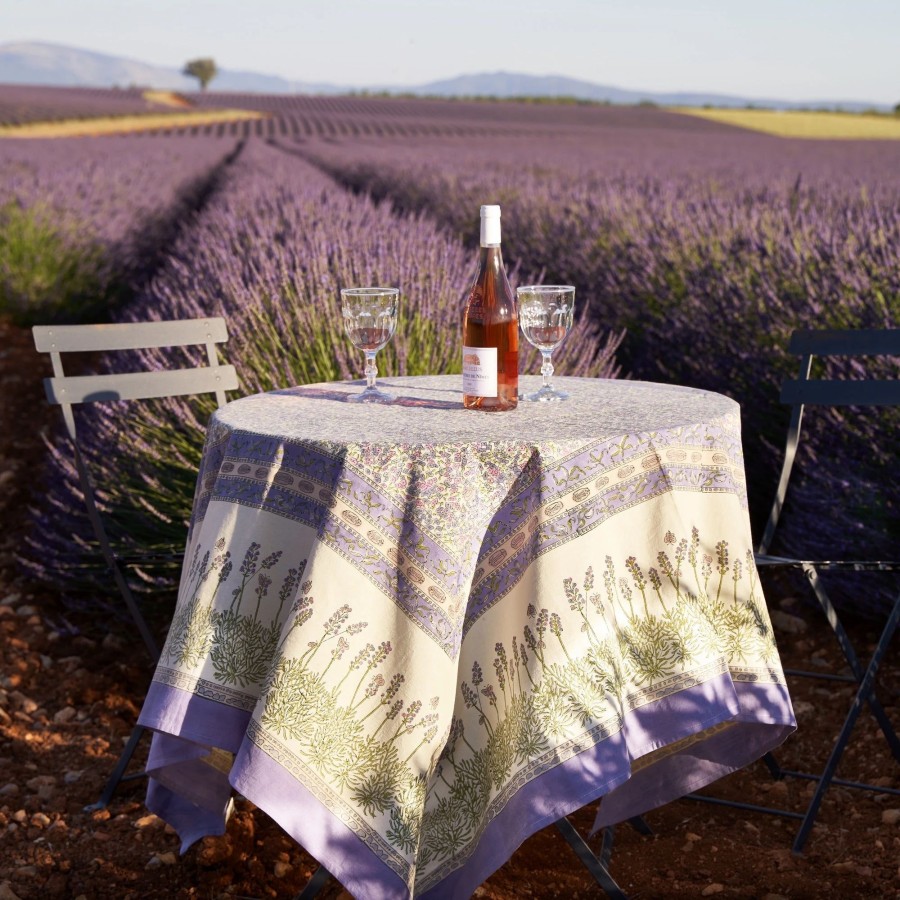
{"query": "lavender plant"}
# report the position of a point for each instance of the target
(84, 221)
(710, 249)
(270, 253)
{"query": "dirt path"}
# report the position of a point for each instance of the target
(69, 698)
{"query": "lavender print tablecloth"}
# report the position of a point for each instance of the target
(415, 634)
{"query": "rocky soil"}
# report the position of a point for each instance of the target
(69, 699)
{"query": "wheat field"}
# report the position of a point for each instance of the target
(806, 124)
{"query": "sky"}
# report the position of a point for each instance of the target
(779, 49)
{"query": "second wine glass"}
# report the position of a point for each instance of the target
(545, 317)
(370, 319)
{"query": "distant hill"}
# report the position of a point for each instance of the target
(508, 84)
(54, 64)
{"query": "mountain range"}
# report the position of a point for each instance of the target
(54, 64)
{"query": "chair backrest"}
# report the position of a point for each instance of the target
(805, 390)
(177, 381)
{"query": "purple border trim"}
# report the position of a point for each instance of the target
(603, 768)
(173, 711)
(184, 791)
(762, 713)
(194, 797)
(273, 789)
(539, 803)
(764, 721)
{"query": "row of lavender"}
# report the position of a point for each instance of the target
(270, 252)
(24, 103)
(330, 127)
(82, 222)
(349, 118)
(710, 250)
(708, 245)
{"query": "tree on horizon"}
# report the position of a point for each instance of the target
(203, 69)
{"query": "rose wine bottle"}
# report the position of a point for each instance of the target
(490, 328)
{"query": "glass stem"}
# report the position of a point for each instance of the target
(371, 369)
(546, 368)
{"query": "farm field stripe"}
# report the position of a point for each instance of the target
(802, 124)
(124, 124)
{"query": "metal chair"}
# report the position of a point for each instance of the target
(800, 392)
(179, 380)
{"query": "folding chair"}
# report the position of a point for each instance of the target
(181, 379)
(832, 392)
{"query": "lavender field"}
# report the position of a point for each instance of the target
(695, 247)
(83, 222)
(22, 103)
(709, 249)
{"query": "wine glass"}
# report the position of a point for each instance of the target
(545, 317)
(370, 317)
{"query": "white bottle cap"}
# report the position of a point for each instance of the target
(490, 226)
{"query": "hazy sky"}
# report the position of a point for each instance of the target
(786, 49)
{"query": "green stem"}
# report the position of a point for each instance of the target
(411, 755)
(325, 670)
(595, 638)
(644, 597)
(239, 596)
(561, 644)
(384, 721)
(359, 684)
(661, 601)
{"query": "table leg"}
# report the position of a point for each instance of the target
(319, 879)
(118, 774)
(592, 864)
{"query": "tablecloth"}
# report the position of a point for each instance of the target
(415, 634)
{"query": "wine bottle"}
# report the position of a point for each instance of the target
(490, 328)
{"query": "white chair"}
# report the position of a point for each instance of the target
(72, 391)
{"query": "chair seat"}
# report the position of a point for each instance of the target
(854, 565)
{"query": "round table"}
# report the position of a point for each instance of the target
(415, 634)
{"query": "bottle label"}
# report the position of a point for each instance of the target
(480, 371)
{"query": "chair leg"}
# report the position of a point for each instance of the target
(136, 615)
(852, 659)
(606, 845)
(863, 695)
(639, 824)
(118, 773)
(773, 766)
(592, 864)
(106, 548)
(314, 886)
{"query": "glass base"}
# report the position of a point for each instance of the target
(371, 395)
(545, 395)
